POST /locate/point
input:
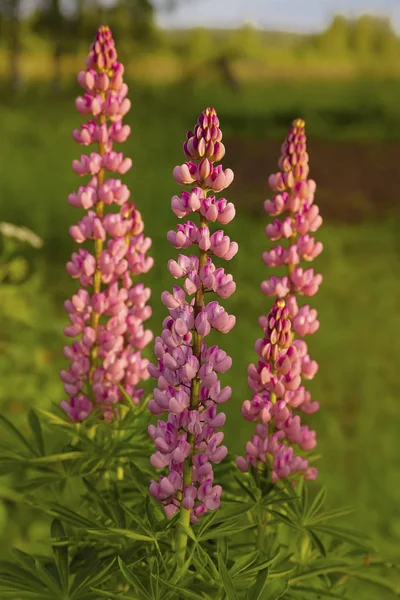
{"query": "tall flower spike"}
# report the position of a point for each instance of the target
(188, 388)
(276, 380)
(108, 311)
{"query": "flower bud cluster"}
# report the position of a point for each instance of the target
(275, 380)
(108, 311)
(187, 370)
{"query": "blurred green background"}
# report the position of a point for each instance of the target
(345, 81)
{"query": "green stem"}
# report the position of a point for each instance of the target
(98, 248)
(184, 519)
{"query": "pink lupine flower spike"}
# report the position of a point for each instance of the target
(276, 381)
(108, 311)
(188, 389)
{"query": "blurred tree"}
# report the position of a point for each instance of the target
(10, 11)
(363, 36)
(245, 42)
(387, 42)
(336, 39)
(60, 29)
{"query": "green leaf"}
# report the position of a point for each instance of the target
(267, 589)
(284, 518)
(225, 530)
(132, 579)
(222, 549)
(110, 595)
(323, 567)
(316, 505)
(226, 578)
(204, 556)
(36, 428)
(344, 534)
(263, 565)
(243, 563)
(320, 593)
(61, 553)
(11, 429)
(48, 579)
(25, 579)
(65, 514)
(131, 535)
(381, 582)
(333, 514)
(317, 542)
(184, 593)
(90, 577)
(62, 456)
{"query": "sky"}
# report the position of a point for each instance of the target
(291, 15)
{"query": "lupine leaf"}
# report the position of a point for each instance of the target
(346, 535)
(111, 596)
(317, 542)
(323, 569)
(243, 563)
(97, 497)
(184, 593)
(226, 578)
(246, 489)
(61, 554)
(133, 579)
(224, 530)
(113, 531)
(266, 589)
(84, 579)
(48, 579)
(263, 565)
(26, 560)
(36, 428)
(208, 560)
(65, 514)
(14, 573)
(284, 518)
(320, 593)
(62, 456)
(11, 429)
(333, 514)
(222, 550)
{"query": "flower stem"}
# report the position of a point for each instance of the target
(98, 248)
(184, 519)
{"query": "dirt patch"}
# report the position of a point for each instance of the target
(355, 180)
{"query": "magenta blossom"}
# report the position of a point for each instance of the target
(107, 313)
(276, 379)
(187, 371)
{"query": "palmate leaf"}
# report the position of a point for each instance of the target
(205, 560)
(318, 592)
(63, 513)
(133, 580)
(111, 596)
(15, 577)
(243, 563)
(12, 431)
(112, 532)
(184, 591)
(36, 428)
(60, 551)
(265, 588)
(350, 536)
(227, 582)
(88, 578)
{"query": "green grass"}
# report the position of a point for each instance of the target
(357, 346)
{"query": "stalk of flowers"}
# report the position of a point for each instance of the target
(108, 311)
(187, 442)
(276, 380)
